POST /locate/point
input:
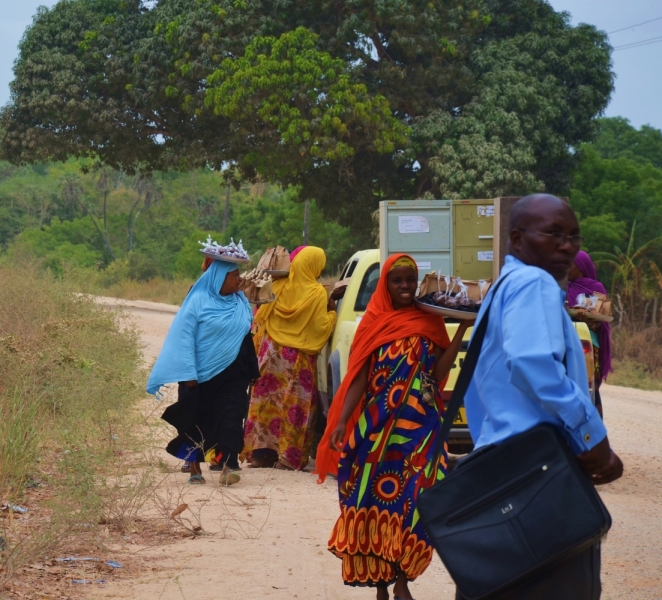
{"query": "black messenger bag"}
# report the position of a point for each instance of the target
(512, 509)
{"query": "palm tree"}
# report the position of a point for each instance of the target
(628, 269)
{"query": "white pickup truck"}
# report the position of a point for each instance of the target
(363, 270)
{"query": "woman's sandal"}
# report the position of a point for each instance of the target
(227, 479)
(196, 480)
(281, 467)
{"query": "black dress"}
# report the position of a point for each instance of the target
(210, 416)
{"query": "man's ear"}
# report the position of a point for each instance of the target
(516, 240)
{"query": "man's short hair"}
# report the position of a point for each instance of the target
(528, 207)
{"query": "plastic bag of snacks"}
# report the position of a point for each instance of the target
(231, 251)
(595, 303)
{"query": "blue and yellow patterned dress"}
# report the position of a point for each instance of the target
(384, 466)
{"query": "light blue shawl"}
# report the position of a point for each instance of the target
(206, 334)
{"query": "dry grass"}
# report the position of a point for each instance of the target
(68, 384)
(637, 357)
(167, 291)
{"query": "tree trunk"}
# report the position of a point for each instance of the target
(306, 219)
(105, 225)
(96, 225)
(226, 211)
(619, 309)
(131, 222)
(654, 315)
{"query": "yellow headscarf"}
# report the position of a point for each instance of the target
(404, 261)
(298, 317)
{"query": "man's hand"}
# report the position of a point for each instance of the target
(601, 463)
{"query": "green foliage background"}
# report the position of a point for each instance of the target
(349, 103)
(39, 221)
(616, 186)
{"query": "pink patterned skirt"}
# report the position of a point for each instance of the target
(283, 405)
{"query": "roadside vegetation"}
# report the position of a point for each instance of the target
(69, 381)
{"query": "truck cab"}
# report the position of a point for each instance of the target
(362, 271)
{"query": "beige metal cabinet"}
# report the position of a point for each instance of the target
(473, 238)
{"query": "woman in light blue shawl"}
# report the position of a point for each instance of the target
(209, 351)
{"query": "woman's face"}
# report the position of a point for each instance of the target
(574, 273)
(402, 283)
(231, 283)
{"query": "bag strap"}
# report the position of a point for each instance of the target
(466, 373)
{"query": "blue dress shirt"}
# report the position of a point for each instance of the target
(520, 379)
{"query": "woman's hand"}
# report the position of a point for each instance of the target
(338, 437)
(330, 305)
(190, 384)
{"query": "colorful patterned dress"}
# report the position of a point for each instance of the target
(283, 403)
(385, 465)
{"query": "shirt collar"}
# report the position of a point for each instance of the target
(513, 263)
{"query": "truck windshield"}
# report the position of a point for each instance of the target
(368, 287)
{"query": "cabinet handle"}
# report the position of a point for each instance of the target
(485, 237)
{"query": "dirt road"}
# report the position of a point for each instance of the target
(267, 535)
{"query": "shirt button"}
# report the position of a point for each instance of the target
(587, 437)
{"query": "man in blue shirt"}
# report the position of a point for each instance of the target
(532, 371)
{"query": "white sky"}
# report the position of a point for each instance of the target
(639, 70)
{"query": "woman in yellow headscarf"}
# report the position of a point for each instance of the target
(291, 331)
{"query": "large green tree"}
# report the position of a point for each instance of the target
(352, 102)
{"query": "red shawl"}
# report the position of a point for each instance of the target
(381, 324)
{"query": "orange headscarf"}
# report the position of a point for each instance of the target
(381, 324)
(206, 263)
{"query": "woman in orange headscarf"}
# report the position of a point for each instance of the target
(381, 434)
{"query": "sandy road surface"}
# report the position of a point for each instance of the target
(268, 536)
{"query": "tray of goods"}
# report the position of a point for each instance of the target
(275, 262)
(233, 253)
(582, 313)
(428, 304)
(596, 307)
(276, 274)
(261, 302)
(451, 297)
(256, 286)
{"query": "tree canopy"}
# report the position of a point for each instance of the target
(617, 192)
(351, 102)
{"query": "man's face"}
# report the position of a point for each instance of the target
(533, 247)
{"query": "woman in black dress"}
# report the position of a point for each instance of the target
(209, 350)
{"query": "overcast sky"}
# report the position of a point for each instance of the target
(638, 94)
